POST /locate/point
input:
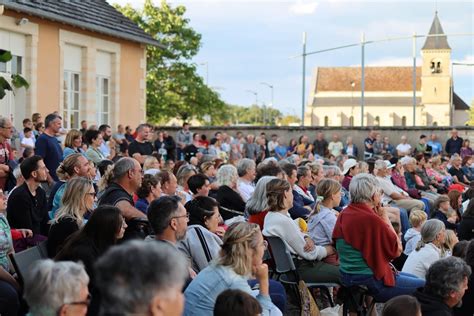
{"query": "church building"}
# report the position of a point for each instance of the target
(335, 95)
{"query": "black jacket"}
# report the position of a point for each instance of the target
(466, 228)
(432, 305)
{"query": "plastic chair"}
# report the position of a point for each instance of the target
(23, 260)
(286, 270)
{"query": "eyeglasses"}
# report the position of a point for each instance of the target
(86, 302)
(187, 216)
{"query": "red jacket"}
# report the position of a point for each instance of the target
(368, 233)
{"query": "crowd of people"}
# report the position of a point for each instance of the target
(140, 222)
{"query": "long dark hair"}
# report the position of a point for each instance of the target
(100, 230)
(200, 208)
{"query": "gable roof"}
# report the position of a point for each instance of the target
(97, 16)
(436, 42)
(376, 79)
(459, 103)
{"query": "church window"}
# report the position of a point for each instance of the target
(351, 121)
(326, 121)
(377, 121)
(404, 121)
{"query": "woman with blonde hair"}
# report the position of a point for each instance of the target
(240, 259)
(151, 162)
(73, 143)
(323, 219)
(279, 224)
(77, 200)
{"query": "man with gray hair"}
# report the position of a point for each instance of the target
(246, 168)
(123, 180)
(6, 153)
(48, 147)
(57, 288)
(446, 282)
(141, 278)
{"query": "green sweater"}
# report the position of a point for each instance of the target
(351, 260)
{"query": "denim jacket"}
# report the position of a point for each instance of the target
(201, 294)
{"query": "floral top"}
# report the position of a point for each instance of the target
(6, 243)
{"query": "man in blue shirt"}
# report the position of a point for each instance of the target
(48, 147)
(454, 144)
(436, 147)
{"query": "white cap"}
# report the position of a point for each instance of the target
(348, 164)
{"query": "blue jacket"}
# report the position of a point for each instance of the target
(298, 209)
(355, 150)
(201, 294)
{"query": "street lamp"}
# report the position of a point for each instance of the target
(452, 87)
(271, 104)
(205, 63)
(255, 93)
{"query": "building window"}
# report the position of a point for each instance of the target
(377, 121)
(71, 99)
(404, 121)
(326, 121)
(351, 121)
(16, 65)
(3, 67)
(103, 99)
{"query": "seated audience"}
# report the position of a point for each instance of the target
(366, 243)
(149, 190)
(78, 199)
(350, 169)
(230, 202)
(297, 209)
(428, 250)
(241, 256)
(402, 305)
(466, 226)
(450, 240)
(182, 177)
(467, 305)
(466, 167)
(169, 183)
(322, 220)
(459, 249)
(446, 283)
(57, 288)
(413, 235)
(257, 207)
(202, 242)
(73, 143)
(236, 303)
(94, 139)
(456, 171)
(130, 283)
(246, 170)
(279, 224)
(199, 185)
(443, 212)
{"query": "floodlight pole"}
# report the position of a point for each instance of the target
(303, 80)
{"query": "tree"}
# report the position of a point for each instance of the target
(173, 87)
(16, 80)
(471, 115)
(288, 120)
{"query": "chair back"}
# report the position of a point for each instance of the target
(43, 248)
(23, 260)
(281, 255)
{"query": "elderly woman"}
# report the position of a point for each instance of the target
(240, 258)
(184, 173)
(428, 250)
(246, 170)
(57, 288)
(149, 190)
(456, 171)
(257, 207)
(366, 243)
(231, 203)
(94, 139)
(278, 223)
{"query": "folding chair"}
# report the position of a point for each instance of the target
(23, 260)
(286, 270)
(43, 248)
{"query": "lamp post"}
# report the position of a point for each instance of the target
(452, 88)
(255, 93)
(271, 104)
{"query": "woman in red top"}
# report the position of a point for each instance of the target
(366, 243)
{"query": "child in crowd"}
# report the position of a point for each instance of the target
(322, 220)
(449, 241)
(29, 140)
(400, 260)
(413, 235)
(444, 213)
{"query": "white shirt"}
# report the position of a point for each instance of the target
(404, 148)
(245, 189)
(281, 225)
(418, 262)
(335, 148)
(388, 189)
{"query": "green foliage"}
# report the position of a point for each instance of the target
(288, 120)
(238, 115)
(5, 56)
(19, 82)
(471, 115)
(173, 87)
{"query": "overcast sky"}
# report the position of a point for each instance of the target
(249, 42)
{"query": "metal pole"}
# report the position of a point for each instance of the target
(303, 80)
(414, 79)
(451, 108)
(362, 81)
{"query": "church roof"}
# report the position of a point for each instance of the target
(459, 103)
(389, 79)
(436, 42)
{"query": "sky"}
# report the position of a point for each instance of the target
(245, 43)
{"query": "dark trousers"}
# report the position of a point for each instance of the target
(277, 293)
(9, 299)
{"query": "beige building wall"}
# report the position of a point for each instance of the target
(45, 70)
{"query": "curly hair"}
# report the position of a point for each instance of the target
(276, 189)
